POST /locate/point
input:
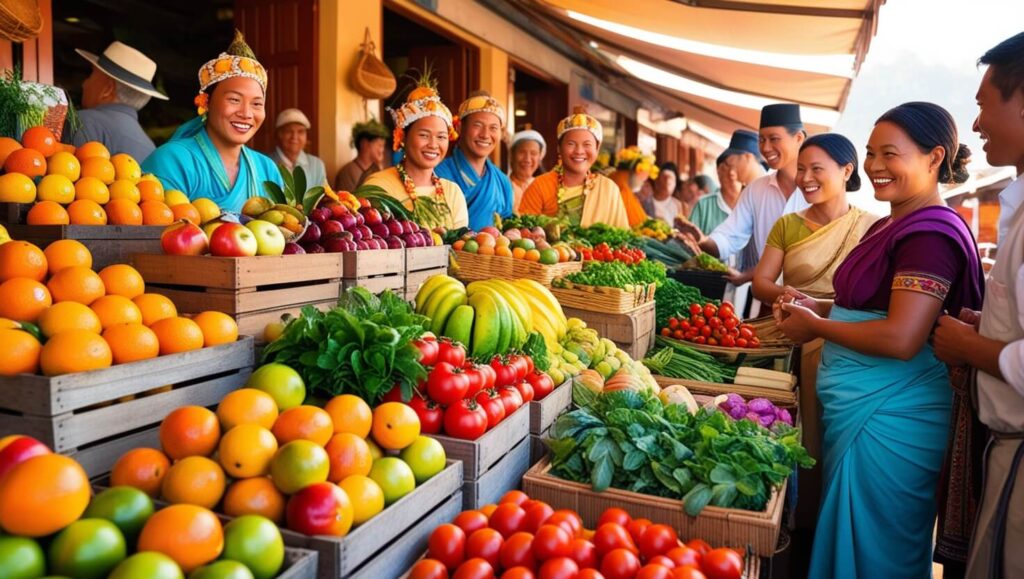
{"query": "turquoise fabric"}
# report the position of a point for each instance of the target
(886, 428)
(485, 195)
(708, 214)
(190, 163)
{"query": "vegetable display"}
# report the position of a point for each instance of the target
(712, 325)
(617, 274)
(674, 299)
(632, 441)
(677, 360)
(672, 253)
(604, 252)
(706, 262)
(654, 228)
(601, 233)
(758, 410)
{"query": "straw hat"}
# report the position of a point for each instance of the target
(127, 66)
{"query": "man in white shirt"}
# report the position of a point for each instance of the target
(996, 347)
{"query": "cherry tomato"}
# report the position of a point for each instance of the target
(507, 519)
(666, 332)
(712, 342)
(614, 515)
(663, 561)
(465, 419)
(447, 384)
(589, 574)
(745, 333)
(611, 536)
(470, 521)
(558, 568)
(490, 401)
(726, 311)
(428, 351)
(755, 342)
(684, 325)
(657, 540)
(705, 331)
(447, 544)
(430, 413)
(699, 323)
(722, 563)
(517, 551)
(741, 342)
(654, 571)
(636, 528)
(536, 515)
(485, 544)
(567, 519)
(474, 569)
(517, 573)
(715, 323)
(620, 564)
(551, 541)
(515, 496)
(673, 323)
(710, 310)
(542, 384)
(699, 545)
(679, 334)
(525, 391)
(428, 569)
(584, 553)
(687, 572)
(729, 341)
(699, 340)
(696, 309)
(505, 374)
(684, 555)
(451, 352)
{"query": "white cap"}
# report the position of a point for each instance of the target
(291, 116)
(530, 135)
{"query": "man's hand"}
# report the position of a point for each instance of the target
(739, 277)
(969, 316)
(952, 339)
(686, 227)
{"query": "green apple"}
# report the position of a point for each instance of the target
(425, 456)
(269, 239)
(283, 383)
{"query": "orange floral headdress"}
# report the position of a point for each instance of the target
(422, 102)
(237, 60)
(580, 120)
(480, 102)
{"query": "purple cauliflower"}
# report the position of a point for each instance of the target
(738, 411)
(782, 415)
(762, 406)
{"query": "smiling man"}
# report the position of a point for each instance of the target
(292, 135)
(487, 189)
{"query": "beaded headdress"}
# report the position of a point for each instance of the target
(579, 119)
(421, 103)
(481, 103)
(237, 60)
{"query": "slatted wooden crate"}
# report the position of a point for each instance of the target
(544, 412)
(108, 244)
(538, 448)
(784, 398)
(426, 258)
(415, 279)
(299, 564)
(633, 331)
(478, 456)
(375, 270)
(503, 476)
(87, 413)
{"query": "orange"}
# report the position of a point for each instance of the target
(246, 451)
(29, 162)
(74, 351)
(123, 280)
(532, 255)
(349, 455)
(99, 168)
(189, 431)
(194, 480)
(56, 188)
(563, 254)
(22, 259)
(247, 406)
(126, 167)
(17, 188)
(520, 253)
(156, 212)
(19, 352)
(41, 139)
(190, 535)
(47, 213)
(66, 253)
(86, 212)
(304, 423)
(68, 316)
(7, 146)
(155, 307)
(125, 189)
(186, 211)
(174, 197)
(502, 251)
(23, 299)
(142, 468)
(217, 327)
(123, 212)
(76, 284)
(150, 189)
(43, 495)
(255, 496)
(177, 334)
(502, 241)
(485, 240)
(92, 189)
(64, 164)
(366, 496)
(92, 149)
(395, 425)
(113, 310)
(350, 414)
(485, 250)
(131, 342)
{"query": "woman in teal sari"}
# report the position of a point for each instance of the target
(207, 156)
(886, 398)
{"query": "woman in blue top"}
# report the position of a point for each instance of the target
(207, 156)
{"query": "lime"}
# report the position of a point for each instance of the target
(548, 256)
(256, 542)
(127, 507)
(471, 246)
(21, 558)
(148, 564)
(224, 569)
(281, 382)
(87, 549)
(425, 456)
(394, 477)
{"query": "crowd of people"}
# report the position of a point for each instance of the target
(920, 386)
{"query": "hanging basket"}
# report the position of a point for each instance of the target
(20, 20)
(370, 77)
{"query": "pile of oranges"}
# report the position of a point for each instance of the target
(58, 316)
(259, 454)
(87, 185)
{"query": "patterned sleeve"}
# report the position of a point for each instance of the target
(927, 263)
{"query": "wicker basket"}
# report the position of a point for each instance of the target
(767, 330)
(370, 77)
(20, 20)
(611, 300)
(785, 399)
(473, 267)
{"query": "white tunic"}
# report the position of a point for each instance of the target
(761, 204)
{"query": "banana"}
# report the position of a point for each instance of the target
(506, 325)
(430, 308)
(515, 298)
(543, 296)
(444, 309)
(293, 211)
(487, 325)
(428, 287)
(459, 326)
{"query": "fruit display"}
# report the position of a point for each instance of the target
(58, 316)
(53, 525)
(85, 185)
(674, 300)
(335, 227)
(522, 537)
(603, 252)
(583, 348)
(617, 274)
(530, 245)
(713, 325)
(655, 229)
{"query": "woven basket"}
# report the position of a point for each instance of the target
(472, 267)
(612, 300)
(370, 77)
(20, 20)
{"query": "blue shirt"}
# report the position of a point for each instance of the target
(117, 127)
(485, 195)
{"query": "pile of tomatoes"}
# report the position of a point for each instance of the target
(464, 399)
(712, 325)
(522, 538)
(602, 252)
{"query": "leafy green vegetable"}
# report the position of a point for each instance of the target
(673, 300)
(618, 274)
(537, 349)
(677, 360)
(601, 233)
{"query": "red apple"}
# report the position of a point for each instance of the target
(338, 210)
(330, 228)
(233, 240)
(183, 238)
(18, 451)
(320, 509)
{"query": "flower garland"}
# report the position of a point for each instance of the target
(410, 185)
(426, 211)
(588, 183)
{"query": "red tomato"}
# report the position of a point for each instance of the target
(559, 568)
(687, 572)
(470, 521)
(700, 340)
(430, 413)
(536, 515)
(611, 536)
(620, 564)
(488, 374)
(568, 520)
(551, 541)
(746, 333)
(492, 405)
(451, 352)
(465, 420)
(505, 374)
(722, 563)
(684, 556)
(696, 309)
(475, 379)
(636, 528)
(395, 394)
(663, 561)
(529, 364)
(614, 515)
(511, 398)
(654, 571)
(428, 351)
(474, 569)
(522, 367)
(589, 574)
(517, 573)
(428, 569)
(517, 551)
(699, 545)
(508, 519)
(657, 540)
(525, 391)
(447, 384)
(710, 310)
(584, 553)
(514, 496)
(447, 544)
(485, 544)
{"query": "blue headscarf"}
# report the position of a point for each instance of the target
(485, 195)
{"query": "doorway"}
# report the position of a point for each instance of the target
(540, 103)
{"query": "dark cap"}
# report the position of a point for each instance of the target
(781, 115)
(742, 141)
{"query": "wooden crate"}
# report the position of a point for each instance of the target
(108, 244)
(254, 323)
(72, 411)
(633, 332)
(538, 448)
(503, 476)
(425, 258)
(783, 398)
(479, 455)
(298, 564)
(544, 412)
(758, 531)
(14, 213)
(609, 300)
(362, 264)
(415, 279)
(472, 267)
(376, 284)
(98, 459)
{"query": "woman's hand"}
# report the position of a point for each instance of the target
(797, 322)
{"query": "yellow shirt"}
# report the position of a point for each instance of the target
(391, 183)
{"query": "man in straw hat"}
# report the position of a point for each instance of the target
(121, 84)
